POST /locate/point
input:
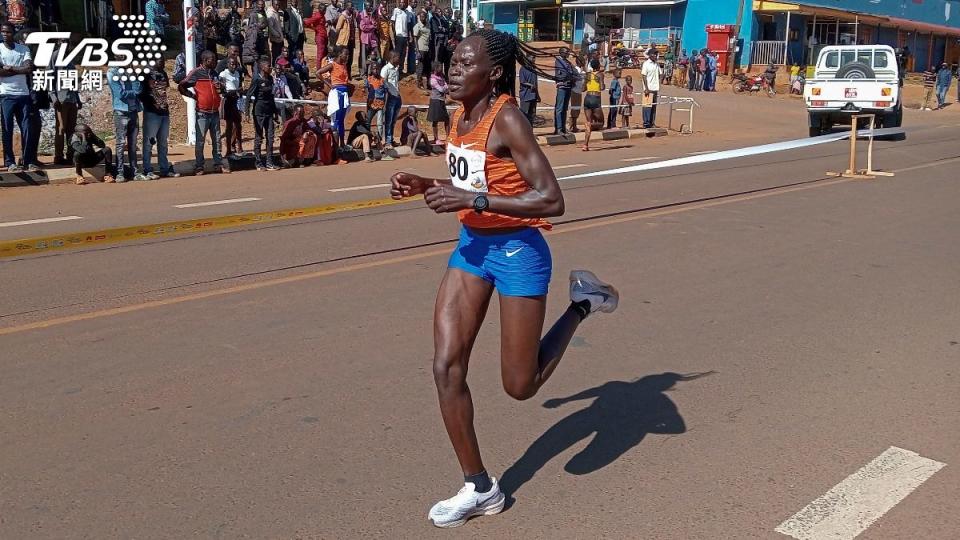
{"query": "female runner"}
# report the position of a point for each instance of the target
(593, 113)
(503, 188)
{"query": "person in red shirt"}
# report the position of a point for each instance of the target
(318, 23)
(203, 85)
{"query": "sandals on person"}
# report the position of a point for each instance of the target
(79, 180)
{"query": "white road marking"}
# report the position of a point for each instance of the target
(702, 152)
(36, 221)
(732, 154)
(575, 165)
(216, 203)
(358, 188)
(640, 158)
(851, 506)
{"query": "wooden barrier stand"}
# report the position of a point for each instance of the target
(852, 171)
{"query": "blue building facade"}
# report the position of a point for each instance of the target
(779, 32)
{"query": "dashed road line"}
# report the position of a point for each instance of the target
(358, 188)
(851, 506)
(217, 203)
(702, 152)
(648, 158)
(575, 165)
(37, 221)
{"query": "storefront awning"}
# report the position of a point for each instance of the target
(765, 6)
(575, 4)
(923, 28)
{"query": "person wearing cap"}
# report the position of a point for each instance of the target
(944, 78)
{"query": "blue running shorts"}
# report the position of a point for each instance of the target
(517, 263)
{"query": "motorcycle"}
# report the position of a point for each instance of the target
(624, 60)
(756, 83)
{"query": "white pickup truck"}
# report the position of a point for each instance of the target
(854, 79)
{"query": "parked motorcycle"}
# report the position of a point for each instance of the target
(751, 84)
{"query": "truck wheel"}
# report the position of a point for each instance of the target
(815, 131)
(856, 70)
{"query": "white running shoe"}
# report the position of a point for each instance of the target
(586, 286)
(467, 503)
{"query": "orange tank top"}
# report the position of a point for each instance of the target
(473, 168)
(339, 75)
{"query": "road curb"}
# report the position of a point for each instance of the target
(606, 135)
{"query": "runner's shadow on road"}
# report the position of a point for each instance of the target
(622, 414)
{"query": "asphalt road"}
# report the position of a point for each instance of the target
(778, 331)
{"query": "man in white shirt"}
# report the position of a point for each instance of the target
(650, 78)
(400, 31)
(391, 79)
(16, 64)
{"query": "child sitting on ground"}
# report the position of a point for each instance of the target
(411, 134)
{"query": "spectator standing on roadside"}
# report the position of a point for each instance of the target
(231, 78)
(437, 113)
(683, 64)
(282, 90)
(929, 85)
(391, 79)
(650, 78)
(157, 16)
(233, 52)
(627, 101)
(16, 64)
(346, 35)
(384, 31)
(66, 104)
(156, 120)
(712, 67)
(616, 92)
(576, 94)
(421, 32)
(702, 70)
(203, 85)
(376, 99)
(274, 30)
(332, 15)
(234, 25)
(529, 93)
(411, 40)
(126, 124)
(260, 99)
(318, 23)
(565, 76)
(399, 18)
(84, 144)
(338, 100)
(439, 35)
(210, 23)
(944, 78)
(293, 28)
(367, 22)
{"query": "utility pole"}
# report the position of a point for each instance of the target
(736, 37)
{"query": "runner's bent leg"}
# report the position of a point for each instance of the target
(526, 361)
(461, 306)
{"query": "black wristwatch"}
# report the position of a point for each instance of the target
(481, 203)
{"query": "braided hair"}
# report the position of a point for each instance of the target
(507, 51)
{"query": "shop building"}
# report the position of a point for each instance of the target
(766, 31)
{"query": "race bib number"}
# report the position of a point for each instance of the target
(466, 167)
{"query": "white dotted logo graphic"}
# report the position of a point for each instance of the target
(147, 47)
